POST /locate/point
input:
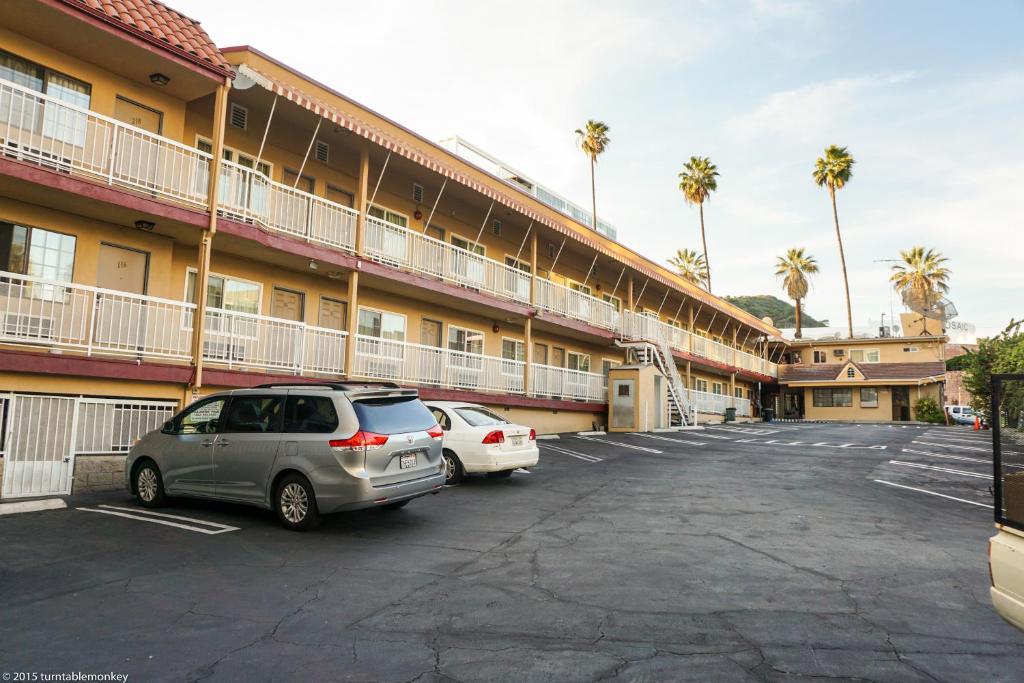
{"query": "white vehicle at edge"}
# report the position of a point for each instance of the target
(477, 439)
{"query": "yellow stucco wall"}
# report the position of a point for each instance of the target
(891, 350)
(858, 413)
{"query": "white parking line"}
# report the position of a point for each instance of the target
(154, 517)
(952, 457)
(965, 439)
(566, 451)
(921, 466)
(747, 430)
(957, 446)
(619, 443)
(716, 436)
(933, 493)
(667, 438)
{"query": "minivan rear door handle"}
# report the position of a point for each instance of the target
(206, 444)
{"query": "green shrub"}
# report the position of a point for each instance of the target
(927, 410)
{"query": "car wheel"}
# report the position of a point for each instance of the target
(295, 503)
(453, 470)
(397, 505)
(149, 485)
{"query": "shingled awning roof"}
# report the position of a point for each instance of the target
(828, 372)
(161, 25)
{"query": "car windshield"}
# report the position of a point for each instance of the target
(480, 417)
(393, 415)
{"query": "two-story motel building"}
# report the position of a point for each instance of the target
(177, 219)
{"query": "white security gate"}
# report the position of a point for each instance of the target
(42, 435)
(39, 458)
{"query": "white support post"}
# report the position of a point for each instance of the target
(266, 129)
(590, 270)
(480, 233)
(551, 270)
(523, 243)
(436, 202)
(379, 178)
(302, 168)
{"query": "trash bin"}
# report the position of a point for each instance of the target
(730, 414)
(768, 414)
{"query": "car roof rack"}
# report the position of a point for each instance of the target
(339, 386)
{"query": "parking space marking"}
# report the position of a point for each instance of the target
(936, 468)
(933, 493)
(964, 439)
(820, 444)
(964, 458)
(668, 438)
(620, 443)
(946, 445)
(716, 436)
(566, 451)
(747, 430)
(162, 518)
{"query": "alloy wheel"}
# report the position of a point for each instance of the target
(449, 467)
(146, 484)
(294, 503)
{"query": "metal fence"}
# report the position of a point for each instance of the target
(1007, 420)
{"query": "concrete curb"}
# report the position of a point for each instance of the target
(32, 506)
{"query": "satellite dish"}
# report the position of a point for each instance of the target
(930, 306)
(768, 319)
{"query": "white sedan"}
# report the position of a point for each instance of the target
(478, 440)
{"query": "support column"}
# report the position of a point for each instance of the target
(533, 269)
(528, 354)
(689, 378)
(732, 389)
(352, 294)
(220, 107)
(693, 330)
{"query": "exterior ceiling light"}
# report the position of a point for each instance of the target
(313, 265)
(145, 225)
(159, 79)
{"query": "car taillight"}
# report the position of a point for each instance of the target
(533, 435)
(358, 441)
(497, 436)
(436, 432)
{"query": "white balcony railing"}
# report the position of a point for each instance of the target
(69, 138)
(432, 366)
(245, 340)
(707, 402)
(554, 382)
(252, 196)
(639, 326)
(404, 248)
(576, 305)
(64, 315)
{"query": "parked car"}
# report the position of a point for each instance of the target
(300, 449)
(962, 415)
(477, 439)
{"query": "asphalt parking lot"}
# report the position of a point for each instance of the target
(748, 552)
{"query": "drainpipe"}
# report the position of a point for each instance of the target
(206, 242)
(353, 278)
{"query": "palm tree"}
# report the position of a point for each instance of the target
(593, 140)
(697, 181)
(794, 268)
(921, 278)
(691, 266)
(833, 171)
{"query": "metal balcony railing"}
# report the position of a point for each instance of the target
(409, 250)
(59, 135)
(64, 315)
(251, 196)
(399, 361)
(245, 340)
(636, 326)
(548, 381)
(576, 305)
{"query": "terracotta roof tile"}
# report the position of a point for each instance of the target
(161, 24)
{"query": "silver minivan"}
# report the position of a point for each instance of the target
(300, 449)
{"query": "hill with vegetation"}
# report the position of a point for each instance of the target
(782, 313)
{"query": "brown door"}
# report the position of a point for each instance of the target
(339, 196)
(333, 313)
(558, 357)
(306, 184)
(540, 353)
(138, 115)
(287, 304)
(435, 232)
(122, 269)
(430, 333)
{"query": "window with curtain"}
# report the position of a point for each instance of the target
(579, 361)
(388, 215)
(227, 293)
(869, 397)
(513, 349)
(381, 324)
(57, 123)
(37, 252)
(865, 355)
(465, 340)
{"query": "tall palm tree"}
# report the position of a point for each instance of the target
(921, 278)
(697, 181)
(593, 140)
(691, 266)
(794, 268)
(834, 170)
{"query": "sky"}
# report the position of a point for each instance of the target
(928, 97)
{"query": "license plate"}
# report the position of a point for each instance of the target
(517, 441)
(408, 461)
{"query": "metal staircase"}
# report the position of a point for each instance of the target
(680, 412)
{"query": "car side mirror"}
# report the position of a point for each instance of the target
(168, 427)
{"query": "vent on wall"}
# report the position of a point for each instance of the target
(496, 228)
(239, 116)
(323, 151)
(417, 193)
